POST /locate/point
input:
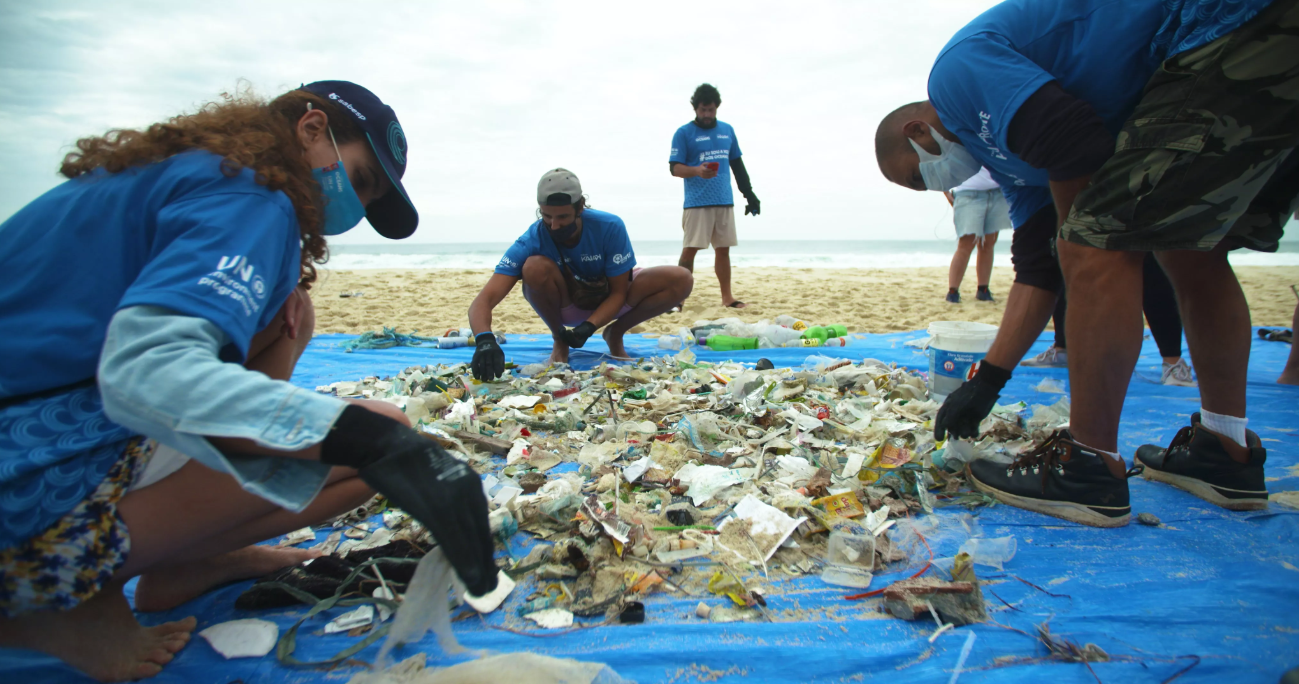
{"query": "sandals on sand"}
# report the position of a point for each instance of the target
(1282, 335)
(737, 304)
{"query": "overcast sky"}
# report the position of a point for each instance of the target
(492, 94)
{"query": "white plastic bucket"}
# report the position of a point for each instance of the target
(955, 350)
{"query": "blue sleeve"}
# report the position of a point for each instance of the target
(619, 257)
(1024, 201)
(679, 141)
(222, 258)
(512, 263)
(160, 376)
(735, 146)
(977, 86)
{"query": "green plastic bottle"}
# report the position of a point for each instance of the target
(728, 343)
(837, 330)
(816, 332)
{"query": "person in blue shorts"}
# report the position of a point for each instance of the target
(578, 269)
(1117, 128)
(980, 213)
(705, 152)
(156, 304)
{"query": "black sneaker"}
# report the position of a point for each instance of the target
(1196, 462)
(1060, 478)
(953, 297)
(984, 295)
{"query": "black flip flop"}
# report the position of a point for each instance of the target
(1286, 336)
(737, 304)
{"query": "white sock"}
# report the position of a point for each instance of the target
(1231, 427)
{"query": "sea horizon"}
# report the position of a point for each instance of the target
(831, 254)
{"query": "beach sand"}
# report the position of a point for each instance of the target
(866, 300)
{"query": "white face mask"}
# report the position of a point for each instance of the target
(951, 167)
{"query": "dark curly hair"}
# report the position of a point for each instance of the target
(705, 94)
(249, 133)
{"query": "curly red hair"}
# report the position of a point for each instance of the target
(249, 133)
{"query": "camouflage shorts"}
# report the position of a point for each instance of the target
(1208, 155)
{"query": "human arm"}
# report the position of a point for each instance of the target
(746, 188)
(489, 361)
(492, 294)
(682, 171)
(1056, 131)
(609, 308)
(161, 375)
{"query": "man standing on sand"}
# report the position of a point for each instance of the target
(709, 217)
(1163, 126)
(980, 212)
(578, 269)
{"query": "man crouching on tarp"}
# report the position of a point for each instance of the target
(578, 269)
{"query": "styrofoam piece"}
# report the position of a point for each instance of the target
(250, 638)
(493, 599)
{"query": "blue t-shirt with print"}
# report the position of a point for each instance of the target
(180, 234)
(602, 251)
(1100, 51)
(692, 146)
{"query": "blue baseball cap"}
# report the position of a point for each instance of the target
(393, 215)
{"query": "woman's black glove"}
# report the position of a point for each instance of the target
(489, 361)
(965, 408)
(576, 337)
(419, 477)
(753, 206)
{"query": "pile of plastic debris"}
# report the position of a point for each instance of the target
(695, 479)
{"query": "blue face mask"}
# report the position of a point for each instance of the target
(343, 209)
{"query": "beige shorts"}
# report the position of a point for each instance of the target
(709, 225)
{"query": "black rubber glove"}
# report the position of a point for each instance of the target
(753, 206)
(419, 477)
(965, 408)
(576, 337)
(489, 360)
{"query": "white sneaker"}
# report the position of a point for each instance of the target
(1178, 374)
(1053, 357)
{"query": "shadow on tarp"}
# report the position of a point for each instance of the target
(1211, 583)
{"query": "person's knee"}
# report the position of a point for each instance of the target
(680, 281)
(539, 272)
(1092, 264)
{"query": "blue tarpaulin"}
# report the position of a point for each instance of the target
(1209, 585)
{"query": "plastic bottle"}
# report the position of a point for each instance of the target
(673, 342)
(728, 343)
(835, 342)
(836, 330)
(772, 335)
(453, 342)
(803, 342)
(791, 322)
(816, 332)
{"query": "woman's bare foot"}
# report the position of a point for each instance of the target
(559, 353)
(167, 587)
(616, 349)
(100, 637)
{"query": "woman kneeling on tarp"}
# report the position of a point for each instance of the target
(155, 308)
(578, 269)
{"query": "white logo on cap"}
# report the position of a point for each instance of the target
(348, 105)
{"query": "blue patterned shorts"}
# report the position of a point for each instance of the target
(75, 557)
